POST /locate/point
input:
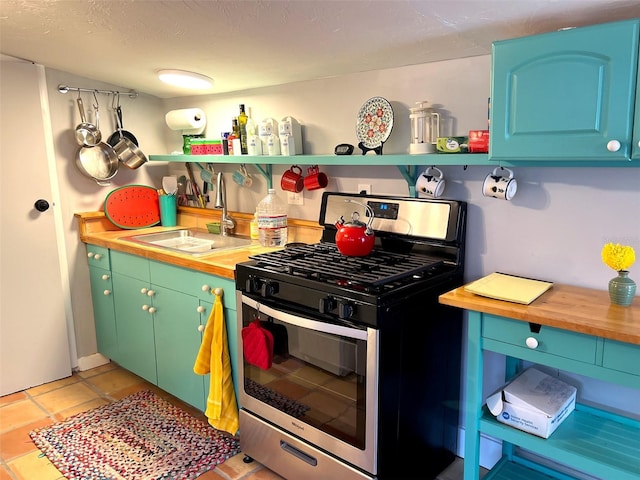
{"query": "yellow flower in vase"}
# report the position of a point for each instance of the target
(619, 257)
(622, 289)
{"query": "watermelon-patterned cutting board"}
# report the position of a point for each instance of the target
(133, 206)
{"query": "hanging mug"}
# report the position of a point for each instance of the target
(498, 185)
(315, 179)
(242, 177)
(292, 180)
(430, 183)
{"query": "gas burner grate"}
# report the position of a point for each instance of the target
(323, 261)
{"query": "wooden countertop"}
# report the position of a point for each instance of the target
(95, 229)
(572, 308)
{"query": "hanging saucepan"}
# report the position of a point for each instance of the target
(87, 134)
(129, 153)
(99, 162)
(125, 144)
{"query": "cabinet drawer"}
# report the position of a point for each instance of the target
(623, 357)
(192, 282)
(553, 341)
(130, 265)
(98, 256)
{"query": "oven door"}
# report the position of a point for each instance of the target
(321, 385)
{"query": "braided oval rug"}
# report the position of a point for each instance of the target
(141, 437)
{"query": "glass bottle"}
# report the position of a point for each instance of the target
(242, 123)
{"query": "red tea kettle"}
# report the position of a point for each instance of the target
(355, 239)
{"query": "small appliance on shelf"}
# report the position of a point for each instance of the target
(425, 129)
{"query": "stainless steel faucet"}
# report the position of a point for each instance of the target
(226, 222)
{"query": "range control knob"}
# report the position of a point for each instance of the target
(326, 305)
(345, 310)
(252, 285)
(269, 289)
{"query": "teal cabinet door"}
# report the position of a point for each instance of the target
(150, 317)
(635, 149)
(134, 322)
(104, 312)
(565, 95)
(177, 341)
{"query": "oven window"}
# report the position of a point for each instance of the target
(315, 377)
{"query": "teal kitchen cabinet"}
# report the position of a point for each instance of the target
(183, 302)
(160, 313)
(594, 440)
(635, 150)
(566, 95)
(102, 300)
(134, 311)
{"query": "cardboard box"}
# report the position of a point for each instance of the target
(533, 402)
(206, 146)
(478, 141)
(452, 144)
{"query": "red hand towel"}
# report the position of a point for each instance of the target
(257, 345)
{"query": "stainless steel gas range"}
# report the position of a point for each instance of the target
(363, 367)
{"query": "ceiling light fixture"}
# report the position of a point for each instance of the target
(182, 78)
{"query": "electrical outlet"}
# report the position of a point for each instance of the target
(294, 198)
(364, 187)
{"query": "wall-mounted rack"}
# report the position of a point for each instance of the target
(67, 89)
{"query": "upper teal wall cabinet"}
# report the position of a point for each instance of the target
(567, 95)
(635, 150)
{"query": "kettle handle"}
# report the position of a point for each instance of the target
(369, 210)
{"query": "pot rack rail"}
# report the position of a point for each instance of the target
(67, 89)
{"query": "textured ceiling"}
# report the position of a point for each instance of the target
(247, 44)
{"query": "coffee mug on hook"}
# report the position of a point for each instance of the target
(431, 182)
(292, 180)
(498, 185)
(315, 179)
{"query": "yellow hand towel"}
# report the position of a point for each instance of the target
(213, 358)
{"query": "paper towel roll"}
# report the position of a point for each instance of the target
(191, 121)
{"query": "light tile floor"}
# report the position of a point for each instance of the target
(46, 404)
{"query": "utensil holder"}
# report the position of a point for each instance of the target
(168, 210)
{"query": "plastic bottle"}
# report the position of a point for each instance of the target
(253, 226)
(272, 221)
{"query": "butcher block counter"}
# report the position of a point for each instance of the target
(96, 229)
(567, 307)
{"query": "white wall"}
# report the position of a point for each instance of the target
(144, 118)
(327, 110)
(555, 226)
(553, 229)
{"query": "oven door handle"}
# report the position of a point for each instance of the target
(306, 322)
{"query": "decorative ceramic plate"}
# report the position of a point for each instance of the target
(374, 122)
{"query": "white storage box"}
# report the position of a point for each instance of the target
(533, 402)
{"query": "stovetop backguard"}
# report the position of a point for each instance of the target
(432, 227)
